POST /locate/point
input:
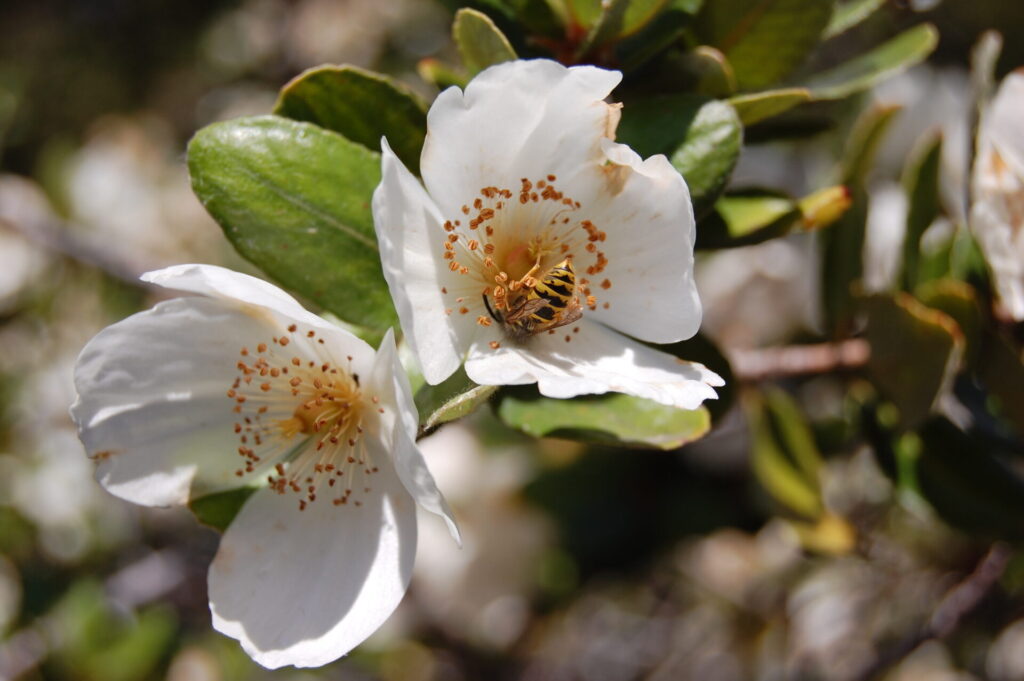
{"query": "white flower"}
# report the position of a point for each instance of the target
(241, 385)
(997, 215)
(521, 175)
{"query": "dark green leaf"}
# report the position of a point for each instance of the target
(1001, 369)
(958, 300)
(655, 38)
(757, 106)
(452, 399)
(784, 457)
(361, 105)
(710, 72)
(219, 509)
(884, 61)
(480, 42)
(701, 137)
(294, 199)
(611, 419)
(915, 351)
(921, 183)
(969, 485)
(764, 40)
(850, 13)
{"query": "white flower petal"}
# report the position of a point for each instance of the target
(303, 588)
(393, 385)
(1003, 125)
(644, 209)
(152, 406)
(514, 120)
(228, 285)
(410, 235)
(595, 360)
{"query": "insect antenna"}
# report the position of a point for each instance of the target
(487, 303)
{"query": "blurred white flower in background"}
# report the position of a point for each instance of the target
(535, 240)
(759, 295)
(22, 263)
(240, 385)
(128, 188)
(997, 185)
(484, 592)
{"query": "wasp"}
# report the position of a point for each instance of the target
(552, 303)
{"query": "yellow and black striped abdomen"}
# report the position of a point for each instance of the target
(557, 288)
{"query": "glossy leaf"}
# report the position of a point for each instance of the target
(921, 183)
(748, 218)
(710, 72)
(784, 457)
(219, 509)
(449, 400)
(294, 199)
(701, 137)
(757, 106)
(361, 105)
(905, 50)
(763, 40)
(915, 351)
(611, 419)
(849, 14)
(480, 42)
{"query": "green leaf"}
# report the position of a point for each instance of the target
(611, 419)
(294, 199)
(1001, 369)
(921, 183)
(969, 485)
(710, 72)
(915, 351)
(849, 14)
(361, 105)
(440, 74)
(843, 244)
(609, 24)
(884, 61)
(701, 137)
(764, 40)
(656, 37)
(864, 141)
(451, 399)
(747, 218)
(958, 300)
(480, 42)
(219, 509)
(757, 106)
(784, 457)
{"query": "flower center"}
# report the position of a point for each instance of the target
(527, 257)
(302, 419)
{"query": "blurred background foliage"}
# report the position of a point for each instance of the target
(850, 509)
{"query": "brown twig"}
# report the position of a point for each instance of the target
(958, 602)
(752, 366)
